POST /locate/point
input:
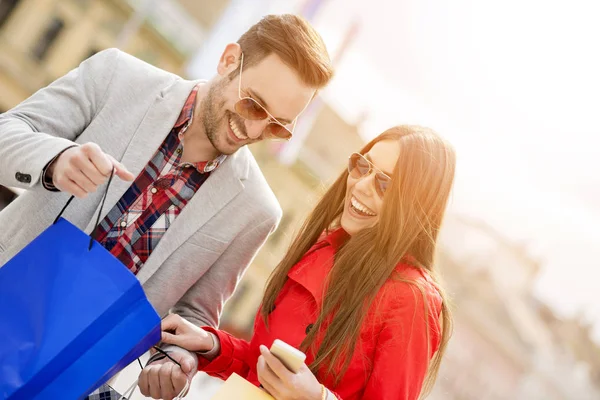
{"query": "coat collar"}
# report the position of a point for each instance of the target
(312, 270)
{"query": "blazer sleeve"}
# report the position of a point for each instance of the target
(203, 302)
(35, 131)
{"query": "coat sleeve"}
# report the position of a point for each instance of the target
(233, 358)
(45, 124)
(404, 348)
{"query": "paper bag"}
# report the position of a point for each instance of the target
(237, 388)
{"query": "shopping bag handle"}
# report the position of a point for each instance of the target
(129, 392)
(112, 173)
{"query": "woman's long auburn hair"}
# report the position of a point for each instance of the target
(413, 208)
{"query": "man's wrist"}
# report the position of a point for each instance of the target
(47, 177)
(48, 172)
(156, 357)
(169, 349)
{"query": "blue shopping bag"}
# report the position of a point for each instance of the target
(71, 316)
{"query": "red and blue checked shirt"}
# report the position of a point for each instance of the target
(135, 225)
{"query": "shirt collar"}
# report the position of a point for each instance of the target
(205, 167)
(186, 115)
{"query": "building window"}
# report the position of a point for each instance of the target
(48, 38)
(6, 9)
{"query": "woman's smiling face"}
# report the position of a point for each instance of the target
(364, 201)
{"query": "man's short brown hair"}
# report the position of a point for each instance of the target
(295, 41)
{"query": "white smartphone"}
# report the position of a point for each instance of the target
(289, 356)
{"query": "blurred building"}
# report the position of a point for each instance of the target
(206, 12)
(41, 40)
(506, 343)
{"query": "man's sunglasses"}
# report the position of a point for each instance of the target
(250, 109)
(359, 166)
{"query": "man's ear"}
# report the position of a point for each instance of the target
(230, 59)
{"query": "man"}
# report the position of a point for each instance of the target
(191, 207)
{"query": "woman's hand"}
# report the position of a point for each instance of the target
(182, 333)
(283, 384)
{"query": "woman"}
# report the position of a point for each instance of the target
(356, 290)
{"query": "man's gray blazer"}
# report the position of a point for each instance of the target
(128, 107)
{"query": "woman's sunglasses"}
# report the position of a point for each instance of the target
(359, 166)
(250, 109)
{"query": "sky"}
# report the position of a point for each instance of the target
(514, 85)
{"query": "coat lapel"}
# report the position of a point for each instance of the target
(151, 132)
(215, 193)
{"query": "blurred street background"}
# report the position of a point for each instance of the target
(514, 85)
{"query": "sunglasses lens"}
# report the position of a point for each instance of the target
(274, 130)
(358, 166)
(381, 183)
(249, 109)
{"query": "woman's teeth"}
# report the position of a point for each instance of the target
(360, 208)
(236, 131)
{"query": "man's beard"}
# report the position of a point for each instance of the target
(214, 117)
(210, 118)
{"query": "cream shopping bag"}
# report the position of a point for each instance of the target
(238, 388)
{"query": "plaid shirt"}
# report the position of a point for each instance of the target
(135, 225)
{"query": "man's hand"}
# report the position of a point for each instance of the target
(81, 169)
(163, 379)
(182, 333)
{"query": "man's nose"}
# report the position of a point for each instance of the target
(255, 128)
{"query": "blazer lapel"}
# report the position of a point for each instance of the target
(151, 132)
(215, 193)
